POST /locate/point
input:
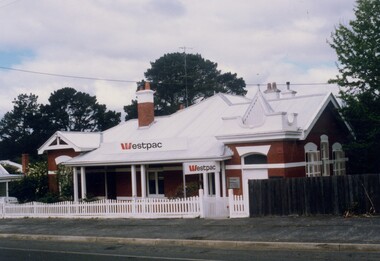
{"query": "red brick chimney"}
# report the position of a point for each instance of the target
(145, 105)
(25, 163)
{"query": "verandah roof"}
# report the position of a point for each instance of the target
(193, 149)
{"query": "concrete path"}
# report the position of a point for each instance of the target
(321, 232)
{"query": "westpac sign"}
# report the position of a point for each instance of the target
(153, 145)
(201, 167)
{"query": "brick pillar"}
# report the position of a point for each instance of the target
(25, 163)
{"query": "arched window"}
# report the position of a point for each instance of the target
(339, 159)
(312, 159)
(255, 159)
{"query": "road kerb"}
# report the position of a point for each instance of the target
(221, 244)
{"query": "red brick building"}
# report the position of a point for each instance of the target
(219, 143)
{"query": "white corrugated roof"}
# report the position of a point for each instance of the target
(5, 176)
(83, 140)
(305, 106)
(3, 171)
(203, 148)
(205, 127)
(11, 163)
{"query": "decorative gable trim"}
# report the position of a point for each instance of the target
(257, 111)
(57, 142)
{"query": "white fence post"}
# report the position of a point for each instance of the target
(231, 203)
(201, 204)
(2, 208)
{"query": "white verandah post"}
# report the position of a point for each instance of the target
(205, 183)
(7, 189)
(134, 186)
(75, 184)
(143, 181)
(83, 182)
(217, 184)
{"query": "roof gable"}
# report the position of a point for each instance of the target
(331, 101)
(78, 141)
(257, 111)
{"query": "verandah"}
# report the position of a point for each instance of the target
(137, 177)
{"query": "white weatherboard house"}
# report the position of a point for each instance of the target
(218, 144)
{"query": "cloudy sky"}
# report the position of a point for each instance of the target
(260, 40)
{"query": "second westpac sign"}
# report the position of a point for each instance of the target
(201, 167)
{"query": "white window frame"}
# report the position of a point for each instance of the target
(156, 178)
(339, 166)
(312, 160)
(325, 155)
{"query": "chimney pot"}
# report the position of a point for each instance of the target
(288, 92)
(272, 92)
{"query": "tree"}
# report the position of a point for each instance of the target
(357, 46)
(20, 129)
(180, 78)
(30, 124)
(32, 187)
(70, 110)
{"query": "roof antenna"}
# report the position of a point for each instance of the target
(186, 92)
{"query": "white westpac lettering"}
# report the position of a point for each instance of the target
(141, 146)
(202, 168)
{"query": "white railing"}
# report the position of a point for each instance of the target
(199, 206)
(237, 206)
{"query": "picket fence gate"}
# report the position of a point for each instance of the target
(192, 207)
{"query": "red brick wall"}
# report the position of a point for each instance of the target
(145, 113)
(52, 166)
(53, 154)
(292, 151)
(124, 184)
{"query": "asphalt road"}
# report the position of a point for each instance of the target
(46, 250)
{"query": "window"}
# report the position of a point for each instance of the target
(325, 155)
(312, 158)
(339, 167)
(156, 183)
(255, 159)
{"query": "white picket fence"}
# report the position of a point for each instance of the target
(237, 205)
(192, 207)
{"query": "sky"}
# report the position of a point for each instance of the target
(261, 41)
